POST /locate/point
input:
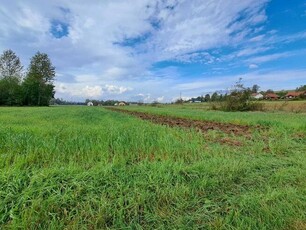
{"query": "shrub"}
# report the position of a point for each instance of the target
(239, 99)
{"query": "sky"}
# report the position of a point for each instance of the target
(155, 50)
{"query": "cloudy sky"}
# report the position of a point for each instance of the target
(145, 50)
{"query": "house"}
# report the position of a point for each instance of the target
(271, 96)
(89, 103)
(294, 94)
(257, 96)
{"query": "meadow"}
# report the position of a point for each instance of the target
(84, 167)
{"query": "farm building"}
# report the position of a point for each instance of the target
(294, 94)
(257, 96)
(121, 103)
(271, 96)
(89, 103)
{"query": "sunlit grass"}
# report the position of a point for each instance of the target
(89, 168)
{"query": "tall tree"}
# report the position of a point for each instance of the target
(10, 78)
(255, 88)
(10, 65)
(38, 85)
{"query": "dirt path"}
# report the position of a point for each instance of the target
(203, 126)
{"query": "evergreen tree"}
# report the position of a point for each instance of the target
(38, 85)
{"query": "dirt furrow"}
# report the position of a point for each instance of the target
(203, 126)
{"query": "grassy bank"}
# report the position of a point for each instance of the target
(88, 168)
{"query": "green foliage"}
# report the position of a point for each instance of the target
(255, 88)
(270, 91)
(10, 78)
(282, 93)
(36, 89)
(179, 101)
(10, 92)
(88, 168)
(239, 99)
(214, 97)
(38, 85)
(301, 88)
(207, 98)
(10, 65)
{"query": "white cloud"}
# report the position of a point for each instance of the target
(253, 66)
(270, 57)
(160, 99)
(112, 89)
(112, 46)
(79, 90)
(94, 91)
(252, 51)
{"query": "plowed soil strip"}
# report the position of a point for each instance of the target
(203, 126)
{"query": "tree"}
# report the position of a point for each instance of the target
(38, 85)
(207, 98)
(10, 78)
(282, 93)
(270, 91)
(214, 96)
(301, 88)
(10, 65)
(255, 88)
(239, 99)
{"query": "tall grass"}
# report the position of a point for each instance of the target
(89, 168)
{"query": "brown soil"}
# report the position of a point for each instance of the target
(202, 126)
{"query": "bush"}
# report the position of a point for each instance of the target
(239, 99)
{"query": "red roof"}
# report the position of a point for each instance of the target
(272, 95)
(294, 94)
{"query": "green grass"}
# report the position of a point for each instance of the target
(200, 112)
(90, 168)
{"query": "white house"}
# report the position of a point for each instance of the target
(89, 103)
(257, 96)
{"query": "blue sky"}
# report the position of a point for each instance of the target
(147, 50)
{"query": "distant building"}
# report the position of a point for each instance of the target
(121, 103)
(294, 94)
(89, 103)
(257, 96)
(271, 96)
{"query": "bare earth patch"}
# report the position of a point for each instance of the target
(203, 126)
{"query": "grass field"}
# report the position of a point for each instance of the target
(91, 168)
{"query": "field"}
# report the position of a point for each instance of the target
(84, 167)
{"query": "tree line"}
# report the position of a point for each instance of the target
(34, 87)
(239, 98)
(217, 96)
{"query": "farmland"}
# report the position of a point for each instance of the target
(92, 168)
